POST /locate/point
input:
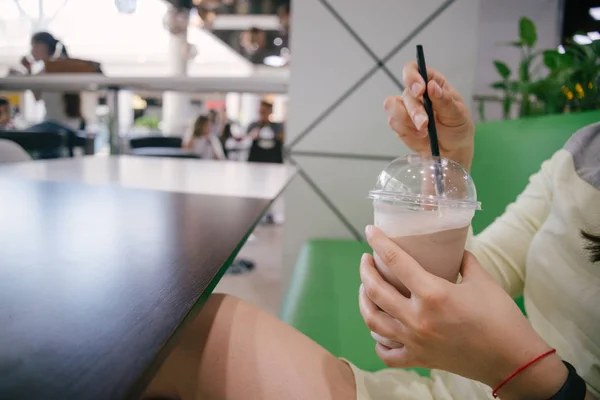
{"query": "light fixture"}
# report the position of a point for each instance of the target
(126, 6)
(595, 13)
(138, 103)
(582, 39)
(594, 35)
(561, 49)
(274, 61)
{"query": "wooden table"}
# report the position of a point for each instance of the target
(221, 178)
(95, 279)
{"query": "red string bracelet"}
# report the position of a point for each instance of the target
(518, 371)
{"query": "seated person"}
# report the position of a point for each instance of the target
(5, 118)
(471, 334)
(203, 142)
(63, 110)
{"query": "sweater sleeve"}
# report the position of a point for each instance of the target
(503, 246)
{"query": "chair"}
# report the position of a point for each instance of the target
(321, 297)
(155, 141)
(10, 152)
(39, 144)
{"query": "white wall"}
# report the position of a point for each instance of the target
(327, 61)
(499, 22)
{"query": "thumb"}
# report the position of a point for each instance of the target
(471, 270)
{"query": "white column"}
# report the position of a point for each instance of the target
(232, 105)
(250, 105)
(125, 110)
(89, 103)
(176, 105)
(279, 108)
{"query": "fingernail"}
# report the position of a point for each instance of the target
(369, 230)
(437, 90)
(389, 110)
(419, 120)
(416, 88)
(361, 288)
(387, 104)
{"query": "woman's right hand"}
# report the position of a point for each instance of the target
(407, 116)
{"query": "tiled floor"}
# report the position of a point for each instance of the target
(262, 286)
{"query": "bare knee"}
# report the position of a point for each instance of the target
(215, 311)
(217, 301)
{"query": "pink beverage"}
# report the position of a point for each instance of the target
(429, 226)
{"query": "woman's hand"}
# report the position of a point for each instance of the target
(407, 116)
(473, 328)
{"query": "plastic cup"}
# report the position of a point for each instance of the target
(430, 226)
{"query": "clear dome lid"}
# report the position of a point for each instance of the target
(426, 181)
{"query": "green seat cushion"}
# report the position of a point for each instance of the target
(322, 300)
(507, 153)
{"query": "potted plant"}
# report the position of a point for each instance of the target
(569, 81)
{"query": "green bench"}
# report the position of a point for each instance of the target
(321, 300)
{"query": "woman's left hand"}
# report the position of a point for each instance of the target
(473, 328)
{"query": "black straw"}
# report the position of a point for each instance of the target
(433, 139)
(431, 129)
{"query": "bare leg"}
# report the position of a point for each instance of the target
(235, 351)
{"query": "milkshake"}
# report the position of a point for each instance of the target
(431, 227)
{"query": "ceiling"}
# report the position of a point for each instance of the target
(231, 21)
(135, 42)
(577, 19)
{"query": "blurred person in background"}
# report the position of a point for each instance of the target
(63, 110)
(283, 12)
(203, 142)
(216, 125)
(267, 147)
(267, 137)
(5, 115)
(253, 43)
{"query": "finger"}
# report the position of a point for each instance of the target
(471, 270)
(414, 82)
(397, 358)
(392, 344)
(378, 321)
(384, 296)
(412, 78)
(401, 264)
(416, 111)
(449, 110)
(399, 120)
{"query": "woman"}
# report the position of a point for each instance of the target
(472, 329)
(203, 142)
(63, 110)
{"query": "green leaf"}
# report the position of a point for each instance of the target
(499, 85)
(517, 43)
(527, 31)
(524, 71)
(502, 69)
(514, 86)
(506, 105)
(551, 59)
